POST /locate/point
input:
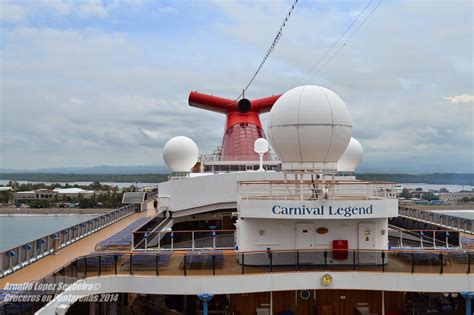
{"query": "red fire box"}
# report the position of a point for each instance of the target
(340, 249)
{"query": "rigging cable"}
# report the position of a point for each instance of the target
(347, 41)
(334, 44)
(270, 50)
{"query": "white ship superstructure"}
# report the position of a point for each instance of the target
(294, 235)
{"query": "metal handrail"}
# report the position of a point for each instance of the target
(314, 190)
(468, 253)
(237, 157)
(98, 265)
(193, 240)
(22, 255)
(444, 220)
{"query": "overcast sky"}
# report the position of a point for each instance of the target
(87, 83)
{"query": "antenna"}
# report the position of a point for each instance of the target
(261, 147)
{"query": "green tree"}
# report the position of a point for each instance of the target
(6, 197)
(429, 197)
(405, 193)
(443, 190)
(40, 204)
(95, 185)
(55, 199)
(86, 203)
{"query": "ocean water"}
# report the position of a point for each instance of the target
(19, 229)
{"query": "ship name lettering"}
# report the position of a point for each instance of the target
(303, 210)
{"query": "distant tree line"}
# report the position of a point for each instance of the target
(53, 177)
(108, 200)
(434, 178)
(417, 193)
(107, 196)
(96, 186)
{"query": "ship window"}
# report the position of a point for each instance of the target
(305, 231)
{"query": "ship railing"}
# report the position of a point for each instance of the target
(438, 219)
(22, 255)
(426, 239)
(223, 263)
(148, 236)
(237, 157)
(195, 240)
(315, 190)
(151, 195)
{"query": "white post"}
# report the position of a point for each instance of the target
(260, 169)
(301, 187)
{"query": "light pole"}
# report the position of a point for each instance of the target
(205, 298)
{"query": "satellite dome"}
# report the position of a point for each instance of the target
(180, 154)
(260, 146)
(309, 128)
(351, 158)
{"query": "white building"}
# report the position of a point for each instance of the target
(73, 193)
(451, 197)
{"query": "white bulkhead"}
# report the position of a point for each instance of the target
(310, 128)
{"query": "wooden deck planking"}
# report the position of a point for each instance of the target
(51, 263)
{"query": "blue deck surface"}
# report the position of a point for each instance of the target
(123, 237)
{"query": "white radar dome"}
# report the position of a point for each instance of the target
(260, 146)
(309, 128)
(180, 154)
(351, 157)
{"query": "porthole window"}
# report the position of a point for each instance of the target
(305, 294)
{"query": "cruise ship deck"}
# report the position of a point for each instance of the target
(226, 262)
(49, 264)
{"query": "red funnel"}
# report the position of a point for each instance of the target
(243, 124)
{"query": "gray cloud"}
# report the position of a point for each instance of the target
(88, 96)
(463, 98)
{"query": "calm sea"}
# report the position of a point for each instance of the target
(19, 229)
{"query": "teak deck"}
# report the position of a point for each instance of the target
(51, 263)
